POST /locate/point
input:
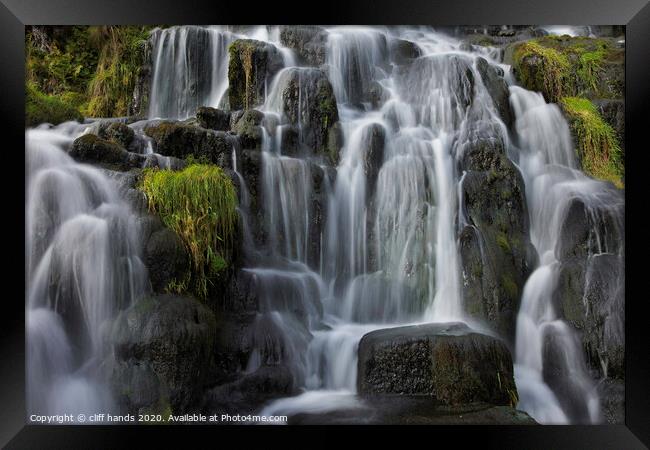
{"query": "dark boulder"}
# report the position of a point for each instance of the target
(308, 43)
(182, 140)
(497, 87)
(92, 149)
(175, 337)
(248, 127)
(307, 101)
(166, 259)
(447, 362)
(403, 51)
(251, 66)
(117, 132)
(249, 392)
(213, 119)
(495, 249)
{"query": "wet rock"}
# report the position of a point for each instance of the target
(308, 43)
(377, 95)
(213, 119)
(117, 132)
(90, 148)
(403, 51)
(248, 128)
(308, 101)
(496, 253)
(374, 141)
(175, 337)
(182, 140)
(612, 401)
(497, 87)
(166, 259)
(251, 66)
(249, 392)
(447, 362)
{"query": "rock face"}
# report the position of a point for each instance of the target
(181, 140)
(252, 64)
(165, 345)
(166, 259)
(308, 103)
(403, 51)
(90, 148)
(494, 246)
(247, 125)
(308, 42)
(373, 154)
(213, 119)
(495, 84)
(447, 362)
(590, 289)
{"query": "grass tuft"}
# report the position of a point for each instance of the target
(198, 203)
(597, 143)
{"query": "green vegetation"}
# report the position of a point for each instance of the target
(41, 108)
(76, 71)
(509, 286)
(560, 66)
(597, 143)
(198, 203)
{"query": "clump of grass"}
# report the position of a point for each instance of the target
(198, 203)
(597, 143)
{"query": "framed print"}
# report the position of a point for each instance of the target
(407, 219)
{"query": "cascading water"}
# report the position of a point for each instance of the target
(367, 244)
(547, 161)
(83, 266)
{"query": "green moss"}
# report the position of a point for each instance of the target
(502, 242)
(553, 75)
(560, 66)
(198, 203)
(42, 108)
(240, 90)
(509, 286)
(596, 140)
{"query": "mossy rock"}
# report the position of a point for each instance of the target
(447, 362)
(560, 66)
(92, 149)
(182, 140)
(248, 128)
(251, 65)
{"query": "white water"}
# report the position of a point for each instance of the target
(386, 254)
(83, 265)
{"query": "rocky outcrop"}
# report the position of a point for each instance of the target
(166, 259)
(449, 363)
(308, 103)
(496, 254)
(251, 66)
(307, 42)
(590, 289)
(402, 51)
(374, 141)
(213, 119)
(492, 78)
(247, 125)
(182, 140)
(90, 148)
(164, 344)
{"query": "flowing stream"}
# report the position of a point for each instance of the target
(385, 252)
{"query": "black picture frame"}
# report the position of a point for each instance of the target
(635, 14)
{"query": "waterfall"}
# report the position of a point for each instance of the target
(547, 161)
(333, 248)
(83, 266)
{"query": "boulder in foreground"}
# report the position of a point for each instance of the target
(448, 362)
